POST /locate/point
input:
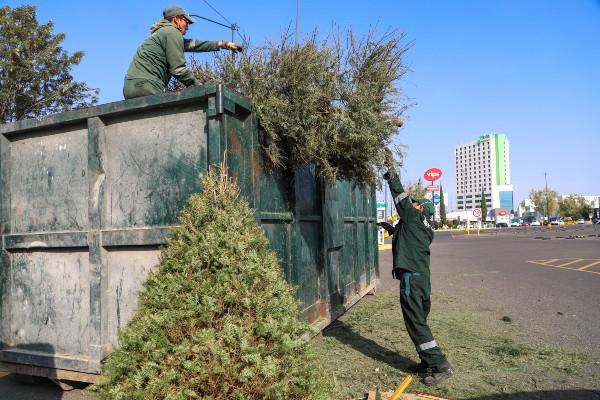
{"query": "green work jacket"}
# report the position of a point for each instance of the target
(413, 233)
(160, 56)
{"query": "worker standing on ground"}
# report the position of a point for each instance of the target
(161, 56)
(412, 237)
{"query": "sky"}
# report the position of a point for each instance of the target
(528, 69)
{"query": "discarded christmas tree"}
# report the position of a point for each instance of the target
(334, 102)
(217, 319)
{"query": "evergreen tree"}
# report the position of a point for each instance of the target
(217, 320)
(35, 71)
(442, 206)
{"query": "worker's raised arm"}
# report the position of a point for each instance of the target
(198, 46)
(401, 198)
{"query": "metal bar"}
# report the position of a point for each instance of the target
(127, 107)
(232, 26)
(52, 373)
(98, 269)
(46, 240)
(136, 237)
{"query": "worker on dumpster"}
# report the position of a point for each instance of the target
(161, 56)
(412, 236)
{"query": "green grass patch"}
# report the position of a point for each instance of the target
(369, 348)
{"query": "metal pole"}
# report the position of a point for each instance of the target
(547, 203)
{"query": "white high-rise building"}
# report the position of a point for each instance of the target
(483, 166)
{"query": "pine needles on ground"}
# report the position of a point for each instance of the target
(334, 103)
(217, 320)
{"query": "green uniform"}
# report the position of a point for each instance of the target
(410, 246)
(159, 58)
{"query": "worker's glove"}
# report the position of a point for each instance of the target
(388, 227)
(389, 163)
(230, 46)
(397, 273)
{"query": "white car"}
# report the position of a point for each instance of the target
(580, 221)
(535, 223)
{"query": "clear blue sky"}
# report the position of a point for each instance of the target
(529, 69)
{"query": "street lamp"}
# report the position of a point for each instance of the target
(547, 203)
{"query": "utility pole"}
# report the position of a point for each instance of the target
(547, 203)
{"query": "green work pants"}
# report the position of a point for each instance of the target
(141, 87)
(415, 301)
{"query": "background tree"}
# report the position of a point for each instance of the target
(573, 206)
(35, 71)
(538, 196)
(415, 189)
(442, 207)
(484, 209)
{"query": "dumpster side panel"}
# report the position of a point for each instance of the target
(50, 298)
(48, 181)
(155, 161)
(127, 272)
(307, 253)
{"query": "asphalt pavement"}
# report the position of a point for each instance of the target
(547, 280)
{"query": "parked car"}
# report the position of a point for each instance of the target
(535, 223)
(556, 221)
(580, 221)
(516, 222)
(501, 225)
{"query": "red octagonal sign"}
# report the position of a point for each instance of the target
(432, 174)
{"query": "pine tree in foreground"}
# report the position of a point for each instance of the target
(217, 320)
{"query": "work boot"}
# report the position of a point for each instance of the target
(434, 378)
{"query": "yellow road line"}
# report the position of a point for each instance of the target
(563, 268)
(587, 266)
(385, 247)
(4, 373)
(545, 262)
(570, 262)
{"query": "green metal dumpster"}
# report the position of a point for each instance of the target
(87, 198)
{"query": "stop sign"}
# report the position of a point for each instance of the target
(432, 174)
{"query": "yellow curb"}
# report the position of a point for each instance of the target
(385, 247)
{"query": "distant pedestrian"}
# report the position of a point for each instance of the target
(161, 55)
(412, 237)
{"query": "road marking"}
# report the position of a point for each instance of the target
(587, 266)
(4, 373)
(570, 262)
(545, 262)
(565, 265)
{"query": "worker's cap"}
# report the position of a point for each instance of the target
(173, 11)
(428, 207)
